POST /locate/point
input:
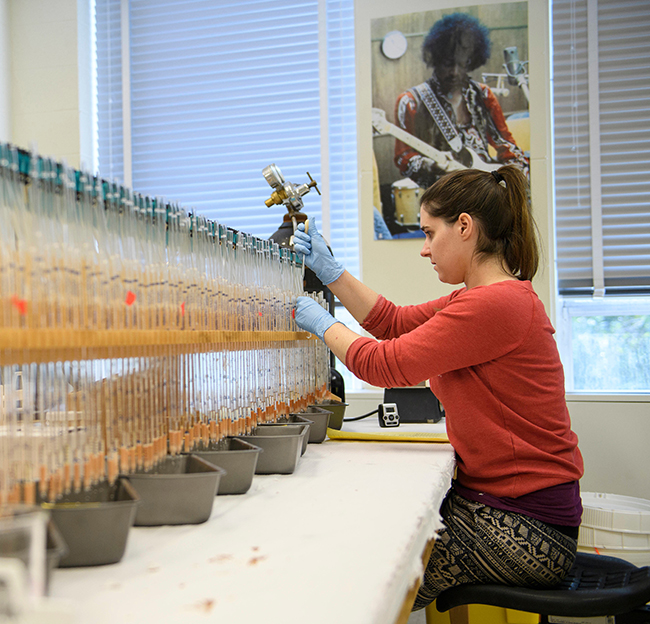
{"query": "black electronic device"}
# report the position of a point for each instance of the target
(388, 415)
(415, 404)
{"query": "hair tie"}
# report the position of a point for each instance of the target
(499, 178)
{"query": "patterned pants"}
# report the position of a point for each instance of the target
(482, 545)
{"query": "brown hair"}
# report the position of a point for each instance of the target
(499, 202)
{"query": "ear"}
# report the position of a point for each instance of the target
(466, 225)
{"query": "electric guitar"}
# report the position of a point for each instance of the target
(444, 160)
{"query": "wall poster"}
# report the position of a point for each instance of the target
(449, 90)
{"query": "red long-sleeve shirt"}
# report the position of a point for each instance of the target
(491, 359)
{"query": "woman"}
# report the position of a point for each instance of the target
(487, 349)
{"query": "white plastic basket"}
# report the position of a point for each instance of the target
(614, 512)
(618, 526)
(604, 538)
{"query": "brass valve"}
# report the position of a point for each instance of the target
(287, 193)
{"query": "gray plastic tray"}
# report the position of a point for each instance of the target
(239, 459)
(320, 419)
(180, 491)
(338, 411)
(95, 531)
(294, 420)
(299, 420)
(282, 445)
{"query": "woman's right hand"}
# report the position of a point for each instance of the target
(316, 254)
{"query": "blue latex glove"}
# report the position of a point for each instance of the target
(312, 317)
(316, 254)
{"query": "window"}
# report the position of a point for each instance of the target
(606, 343)
(602, 185)
(195, 98)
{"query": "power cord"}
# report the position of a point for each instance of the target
(361, 417)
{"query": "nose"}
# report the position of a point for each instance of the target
(456, 70)
(424, 252)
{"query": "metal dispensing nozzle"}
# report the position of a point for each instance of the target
(286, 193)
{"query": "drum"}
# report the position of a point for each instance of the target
(406, 199)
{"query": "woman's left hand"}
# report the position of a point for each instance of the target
(311, 317)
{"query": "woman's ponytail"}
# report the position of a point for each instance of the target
(521, 249)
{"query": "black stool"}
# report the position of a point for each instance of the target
(596, 586)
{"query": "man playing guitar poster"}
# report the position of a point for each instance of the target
(455, 115)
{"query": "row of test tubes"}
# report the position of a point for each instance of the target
(197, 337)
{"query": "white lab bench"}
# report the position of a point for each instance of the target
(338, 541)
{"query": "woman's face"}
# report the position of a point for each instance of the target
(443, 245)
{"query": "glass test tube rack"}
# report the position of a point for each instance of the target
(131, 329)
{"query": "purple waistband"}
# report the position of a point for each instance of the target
(559, 504)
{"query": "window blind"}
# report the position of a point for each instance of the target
(342, 126)
(109, 90)
(218, 91)
(619, 36)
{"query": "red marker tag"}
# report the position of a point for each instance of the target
(293, 312)
(130, 298)
(183, 309)
(19, 304)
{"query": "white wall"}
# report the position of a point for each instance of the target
(47, 107)
(614, 435)
(49, 59)
(5, 74)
